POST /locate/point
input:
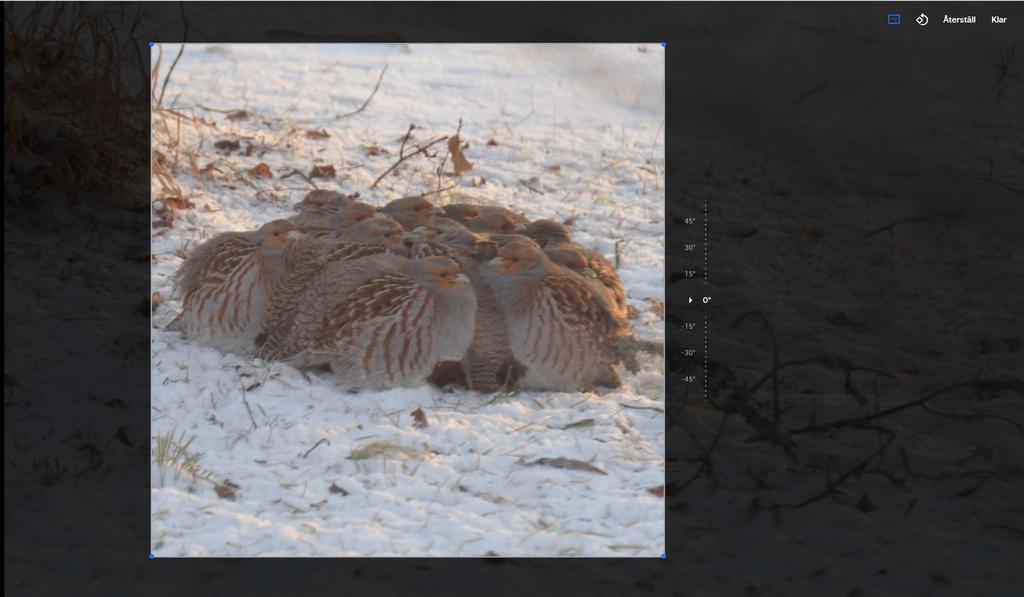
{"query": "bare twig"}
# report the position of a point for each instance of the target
(322, 440)
(372, 93)
(806, 95)
(246, 403)
(775, 359)
(996, 385)
(304, 177)
(181, 50)
(402, 158)
(831, 487)
(974, 417)
(1005, 185)
(406, 137)
(448, 152)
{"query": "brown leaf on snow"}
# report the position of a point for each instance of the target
(492, 143)
(157, 300)
(419, 419)
(336, 489)
(554, 168)
(459, 161)
(261, 170)
(569, 221)
(227, 145)
(226, 490)
(865, 505)
(658, 490)
(178, 202)
(321, 134)
(322, 172)
(567, 463)
(372, 150)
(657, 307)
(238, 115)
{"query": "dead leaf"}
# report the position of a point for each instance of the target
(554, 168)
(459, 161)
(321, 134)
(567, 463)
(178, 202)
(238, 115)
(581, 423)
(157, 300)
(322, 172)
(226, 491)
(569, 221)
(248, 149)
(227, 145)
(492, 143)
(261, 170)
(419, 419)
(658, 490)
(657, 307)
(372, 150)
(335, 489)
(865, 505)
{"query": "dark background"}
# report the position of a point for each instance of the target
(862, 185)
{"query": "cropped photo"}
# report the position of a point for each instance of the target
(407, 300)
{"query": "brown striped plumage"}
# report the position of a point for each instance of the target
(463, 212)
(311, 255)
(559, 326)
(334, 224)
(556, 241)
(410, 212)
(324, 202)
(378, 229)
(382, 321)
(226, 285)
(491, 221)
(488, 364)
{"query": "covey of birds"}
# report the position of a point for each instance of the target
(409, 293)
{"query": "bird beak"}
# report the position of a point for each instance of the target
(497, 262)
(294, 235)
(438, 211)
(520, 228)
(588, 272)
(380, 215)
(462, 279)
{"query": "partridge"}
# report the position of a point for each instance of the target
(552, 236)
(559, 327)
(324, 202)
(383, 321)
(494, 221)
(572, 259)
(461, 212)
(488, 364)
(410, 212)
(227, 284)
(379, 229)
(311, 255)
(333, 224)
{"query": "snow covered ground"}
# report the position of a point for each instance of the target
(291, 466)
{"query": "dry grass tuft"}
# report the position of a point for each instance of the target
(75, 108)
